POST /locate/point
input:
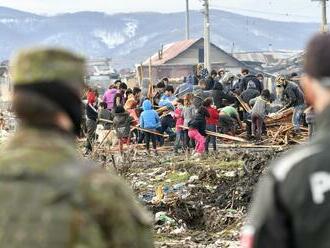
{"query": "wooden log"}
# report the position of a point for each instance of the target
(149, 131)
(139, 128)
(281, 117)
(277, 134)
(106, 121)
(161, 109)
(249, 146)
(98, 147)
(296, 141)
(246, 106)
(220, 135)
(282, 129)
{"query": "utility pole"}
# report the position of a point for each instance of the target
(324, 27)
(187, 21)
(207, 47)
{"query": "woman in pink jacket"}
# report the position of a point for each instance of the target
(109, 96)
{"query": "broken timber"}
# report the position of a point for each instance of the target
(138, 128)
(220, 135)
(246, 106)
(279, 117)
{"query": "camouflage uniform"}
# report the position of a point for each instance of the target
(51, 197)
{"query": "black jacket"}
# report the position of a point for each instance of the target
(218, 96)
(291, 206)
(199, 95)
(210, 83)
(121, 123)
(244, 83)
(249, 94)
(293, 96)
(90, 112)
(199, 121)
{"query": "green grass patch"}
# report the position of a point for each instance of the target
(225, 165)
(177, 177)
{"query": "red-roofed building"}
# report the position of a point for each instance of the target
(176, 60)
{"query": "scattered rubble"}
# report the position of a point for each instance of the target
(195, 204)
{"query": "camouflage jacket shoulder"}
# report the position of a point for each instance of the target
(104, 210)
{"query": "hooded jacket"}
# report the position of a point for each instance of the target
(261, 107)
(149, 118)
(179, 121)
(188, 113)
(210, 82)
(199, 96)
(250, 93)
(293, 95)
(121, 123)
(199, 121)
(244, 83)
(109, 98)
(218, 96)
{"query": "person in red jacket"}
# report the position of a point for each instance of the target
(179, 121)
(211, 123)
(91, 96)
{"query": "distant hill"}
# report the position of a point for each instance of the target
(131, 38)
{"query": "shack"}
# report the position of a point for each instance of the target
(176, 60)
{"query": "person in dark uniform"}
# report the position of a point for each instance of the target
(292, 201)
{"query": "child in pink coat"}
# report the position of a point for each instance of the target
(179, 121)
(197, 130)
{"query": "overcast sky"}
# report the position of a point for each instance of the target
(292, 10)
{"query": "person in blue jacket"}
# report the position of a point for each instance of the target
(149, 120)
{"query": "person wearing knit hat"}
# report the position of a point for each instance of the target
(54, 196)
(292, 96)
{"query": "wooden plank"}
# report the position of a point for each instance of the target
(220, 135)
(249, 146)
(139, 128)
(246, 106)
(149, 131)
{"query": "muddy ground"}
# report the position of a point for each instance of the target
(195, 203)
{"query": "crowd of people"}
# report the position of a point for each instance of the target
(52, 197)
(191, 113)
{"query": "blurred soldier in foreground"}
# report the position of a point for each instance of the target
(50, 197)
(291, 207)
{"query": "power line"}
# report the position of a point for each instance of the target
(260, 11)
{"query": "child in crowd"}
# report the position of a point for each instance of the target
(128, 95)
(131, 106)
(179, 121)
(168, 98)
(197, 128)
(133, 98)
(105, 114)
(188, 112)
(120, 97)
(149, 120)
(261, 107)
(122, 122)
(211, 123)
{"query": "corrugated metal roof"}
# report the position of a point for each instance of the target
(267, 58)
(170, 51)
